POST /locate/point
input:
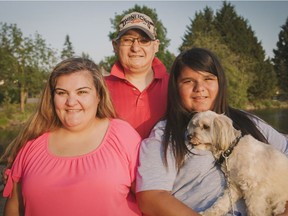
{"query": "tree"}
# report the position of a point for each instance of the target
(209, 37)
(201, 26)
(163, 54)
(85, 55)
(68, 50)
(266, 77)
(7, 60)
(24, 63)
(231, 38)
(236, 32)
(281, 59)
(108, 62)
(238, 35)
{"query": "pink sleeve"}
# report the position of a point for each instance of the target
(14, 174)
(7, 192)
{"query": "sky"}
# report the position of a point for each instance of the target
(88, 22)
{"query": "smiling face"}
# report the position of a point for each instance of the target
(136, 58)
(198, 89)
(76, 100)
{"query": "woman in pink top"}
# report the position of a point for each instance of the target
(73, 158)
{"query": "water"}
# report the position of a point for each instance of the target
(278, 118)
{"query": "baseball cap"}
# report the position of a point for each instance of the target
(137, 20)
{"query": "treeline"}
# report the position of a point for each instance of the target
(252, 77)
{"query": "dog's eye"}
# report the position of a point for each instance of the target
(206, 127)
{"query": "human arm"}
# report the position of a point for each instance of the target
(156, 181)
(162, 203)
(13, 205)
(274, 137)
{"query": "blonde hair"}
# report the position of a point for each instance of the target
(45, 118)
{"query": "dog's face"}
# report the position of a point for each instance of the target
(199, 130)
(211, 131)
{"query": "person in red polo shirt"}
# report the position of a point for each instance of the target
(138, 80)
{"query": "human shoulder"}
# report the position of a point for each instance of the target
(38, 140)
(120, 123)
(123, 136)
(273, 136)
(159, 126)
(116, 73)
(122, 128)
(33, 147)
(156, 134)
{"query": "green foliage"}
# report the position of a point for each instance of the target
(7, 75)
(7, 135)
(11, 121)
(235, 70)
(11, 116)
(108, 62)
(265, 87)
(201, 26)
(85, 55)
(24, 62)
(267, 103)
(167, 58)
(237, 79)
(231, 38)
(163, 54)
(236, 32)
(68, 50)
(8, 110)
(281, 59)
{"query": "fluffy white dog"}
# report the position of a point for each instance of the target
(256, 171)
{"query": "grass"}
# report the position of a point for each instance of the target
(11, 120)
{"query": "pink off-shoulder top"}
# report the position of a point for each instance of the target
(94, 184)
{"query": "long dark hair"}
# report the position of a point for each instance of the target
(177, 117)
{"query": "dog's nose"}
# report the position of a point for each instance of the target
(189, 137)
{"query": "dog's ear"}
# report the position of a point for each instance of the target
(223, 132)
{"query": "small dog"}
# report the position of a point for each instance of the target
(255, 171)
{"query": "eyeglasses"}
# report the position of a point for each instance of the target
(125, 41)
